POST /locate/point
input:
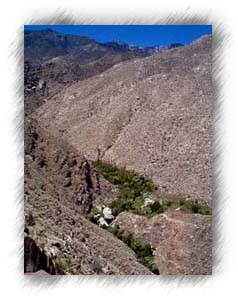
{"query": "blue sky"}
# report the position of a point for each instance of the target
(140, 35)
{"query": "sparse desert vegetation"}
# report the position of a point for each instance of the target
(135, 188)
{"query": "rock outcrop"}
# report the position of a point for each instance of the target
(66, 174)
(183, 241)
(35, 259)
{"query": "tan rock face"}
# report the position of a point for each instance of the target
(183, 241)
(152, 115)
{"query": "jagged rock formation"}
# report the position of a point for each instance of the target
(66, 175)
(183, 241)
(152, 115)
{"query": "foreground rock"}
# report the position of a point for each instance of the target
(62, 241)
(183, 241)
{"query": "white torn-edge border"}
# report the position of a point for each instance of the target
(220, 39)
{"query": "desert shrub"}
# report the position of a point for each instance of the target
(195, 207)
(130, 183)
(94, 211)
(157, 208)
(62, 265)
(119, 205)
(163, 205)
(138, 203)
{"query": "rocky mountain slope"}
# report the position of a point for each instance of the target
(151, 115)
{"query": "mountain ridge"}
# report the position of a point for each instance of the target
(52, 60)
